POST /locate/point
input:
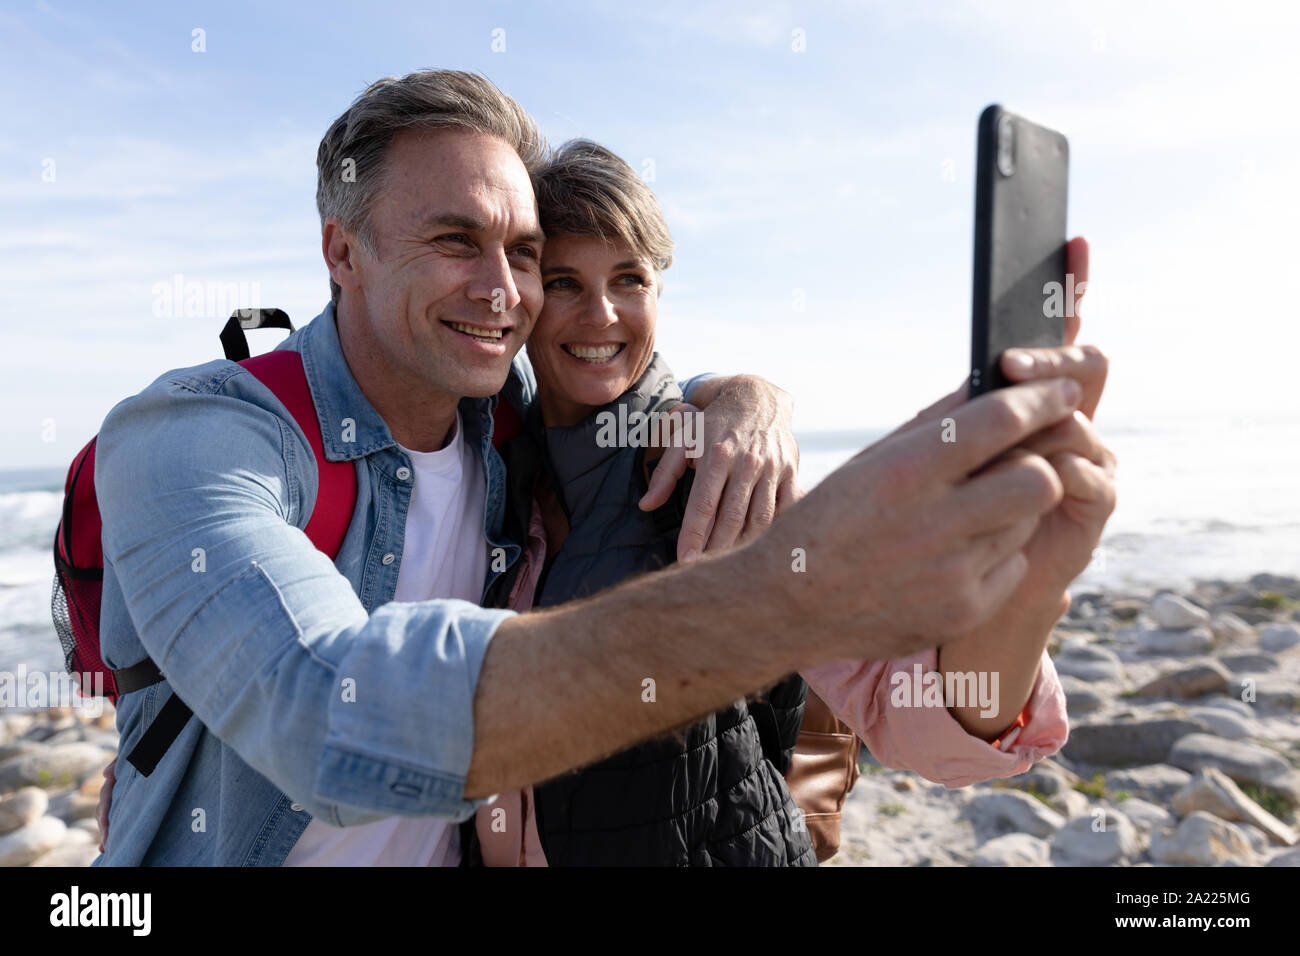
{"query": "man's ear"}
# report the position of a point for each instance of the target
(341, 249)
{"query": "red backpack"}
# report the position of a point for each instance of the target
(79, 558)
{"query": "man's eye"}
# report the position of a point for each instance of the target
(457, 237)
(526, 251)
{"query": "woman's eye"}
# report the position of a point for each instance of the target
(563, 282)
(633, 279)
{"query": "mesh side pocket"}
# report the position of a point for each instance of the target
(74, 607)
(63, 622)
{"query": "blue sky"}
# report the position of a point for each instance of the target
(839, 176)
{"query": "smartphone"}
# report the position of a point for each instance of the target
(1020, 293)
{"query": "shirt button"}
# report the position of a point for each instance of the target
(403, 474)
(389, 558)
(296, 807)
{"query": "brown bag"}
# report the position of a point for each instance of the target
(822, 771)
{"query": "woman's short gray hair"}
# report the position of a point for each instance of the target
(350, 161)
(583, 189)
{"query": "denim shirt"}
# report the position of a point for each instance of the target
(314, 694)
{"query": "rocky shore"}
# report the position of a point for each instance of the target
(51, 769)
(1184, 749)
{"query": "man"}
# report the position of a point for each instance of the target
(348, 712)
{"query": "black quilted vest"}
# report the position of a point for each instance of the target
(713, 795)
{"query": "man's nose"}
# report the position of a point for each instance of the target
(494, 283)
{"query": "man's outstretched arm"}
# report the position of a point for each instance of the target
(898, 550)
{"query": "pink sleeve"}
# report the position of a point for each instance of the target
(929, 740)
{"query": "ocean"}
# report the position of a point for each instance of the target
(1199, 498)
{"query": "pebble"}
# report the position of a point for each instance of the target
(1124, 743)
(1227, 627)
(1238, 707)
(1249, 663)
(1158, 782)
(1126, 609)
(1098, 839)
(73, 806)
(1147, 817)
(1090, 663)
(1196, 640)
(1201, 839)
(1194, 680)
(21, 808)
(1177, 614)
(1279, 637)
(61, 765)
(1214, 792)
(1014, 849)
(1001, 810)
(1225, 723)
(29, 843)
(1079, 697)
(1242, 761)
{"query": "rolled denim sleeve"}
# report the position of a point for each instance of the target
(355, 716)
(688, 387)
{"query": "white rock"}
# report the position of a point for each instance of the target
(1157, 782)
(1175, 613)
(54, 767)
(1239, 707)
(29, 843)
(21, 808)
(1286, 858)
(1279, 637)
(1230, 629)
(1013, 810)
(1147, 817)
(1201, 840)
(1242, 761)
(1070, 803)
(78, 855)
(1225, 723)
(1196, 640)
(1014, 849)
(1097, 839)
(1214, 792)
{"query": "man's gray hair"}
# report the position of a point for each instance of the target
(351, 160)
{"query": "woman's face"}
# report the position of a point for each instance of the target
(596, 332)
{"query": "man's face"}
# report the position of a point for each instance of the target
(454, 286)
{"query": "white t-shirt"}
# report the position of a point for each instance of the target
(444, 555)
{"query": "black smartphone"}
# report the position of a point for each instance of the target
(1020, 297)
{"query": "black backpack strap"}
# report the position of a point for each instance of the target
(160, 735)
(166, 727)
(233, 341)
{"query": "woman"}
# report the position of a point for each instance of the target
(715, 793)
